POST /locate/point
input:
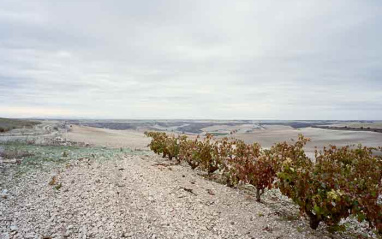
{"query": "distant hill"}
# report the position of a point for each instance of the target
(9, 124)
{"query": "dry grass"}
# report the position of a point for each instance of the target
(15, 154)
(9, 124)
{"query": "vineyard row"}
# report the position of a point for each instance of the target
(338, 183)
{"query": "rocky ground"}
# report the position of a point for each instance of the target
(137, 196)
(67, 190)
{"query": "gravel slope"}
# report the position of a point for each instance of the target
(132, 197)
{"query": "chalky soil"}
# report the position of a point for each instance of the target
(134, 196)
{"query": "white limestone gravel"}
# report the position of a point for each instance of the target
(131, 197)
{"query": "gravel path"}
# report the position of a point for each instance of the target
(134, 198)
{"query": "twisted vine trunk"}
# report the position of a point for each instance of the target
(212, 169)
(314, 221)
(258, 195)
(259, 192)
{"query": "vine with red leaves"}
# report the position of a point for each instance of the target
(338, 183)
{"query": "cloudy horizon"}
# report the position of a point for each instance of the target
(210, 59)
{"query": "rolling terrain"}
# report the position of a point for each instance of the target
(65, 180)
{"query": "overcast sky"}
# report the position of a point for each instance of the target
(220, 59)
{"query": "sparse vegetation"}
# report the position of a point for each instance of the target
(15, 154)
(43, 157)
(58, 186)
(9, 124)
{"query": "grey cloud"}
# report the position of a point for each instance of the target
(197, 59)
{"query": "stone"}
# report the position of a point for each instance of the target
(14, 228)
(30, 236)
(4, 193)
(4, 235)
(67, 233)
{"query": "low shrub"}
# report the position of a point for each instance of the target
(247, 164)
(158, 142)
(172, 147)
(341, 182)
(255, 167)
(311, 186)
(361, 177)
(189, 152)
(210, 154)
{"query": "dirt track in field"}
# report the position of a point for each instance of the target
(108, 137)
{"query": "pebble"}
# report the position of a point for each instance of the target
(67, 233)
(4, 235)
(30, 236)
(4, 193)
(13, 228)
(149, 205)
